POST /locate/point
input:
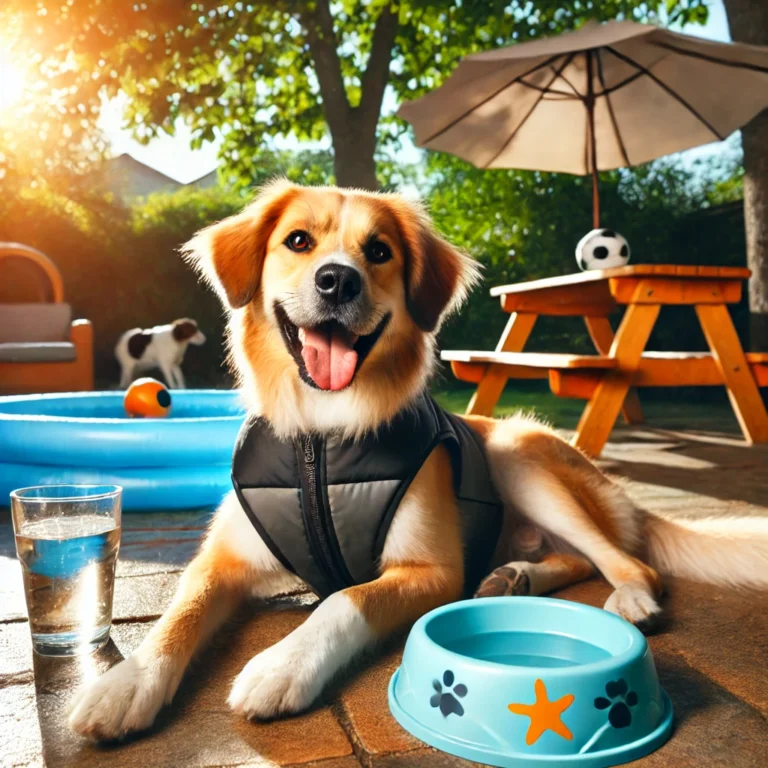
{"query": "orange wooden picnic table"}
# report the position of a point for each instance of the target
(606, 379)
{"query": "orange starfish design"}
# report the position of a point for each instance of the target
(544, 714)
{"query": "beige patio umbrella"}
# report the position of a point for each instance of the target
(606, 96)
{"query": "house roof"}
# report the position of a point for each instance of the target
(128, 160)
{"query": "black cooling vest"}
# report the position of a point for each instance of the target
(323, 505)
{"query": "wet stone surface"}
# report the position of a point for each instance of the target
(711, 650)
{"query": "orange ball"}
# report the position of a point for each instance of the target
(147, 398)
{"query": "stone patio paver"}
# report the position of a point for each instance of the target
(361, 705)
(711, 651)
(20, 741)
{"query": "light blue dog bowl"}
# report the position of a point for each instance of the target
(530, 681)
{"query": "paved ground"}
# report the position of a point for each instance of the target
(712, 653)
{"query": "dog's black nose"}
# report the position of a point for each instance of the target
(338, 283)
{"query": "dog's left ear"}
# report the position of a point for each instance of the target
(438, 276)
(230, 255)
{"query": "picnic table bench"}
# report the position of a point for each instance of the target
(607, 379)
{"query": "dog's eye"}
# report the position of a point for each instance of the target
(298, 241)
(378, 252)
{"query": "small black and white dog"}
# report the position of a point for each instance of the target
(160, 347)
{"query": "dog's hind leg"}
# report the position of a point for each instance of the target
(544, 500)
(557, 489)
(552, 572)
(170, 379)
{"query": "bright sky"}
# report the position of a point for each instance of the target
(172, 154)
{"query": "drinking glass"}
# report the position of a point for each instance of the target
(67, 539)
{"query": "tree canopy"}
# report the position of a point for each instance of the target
(252, 70)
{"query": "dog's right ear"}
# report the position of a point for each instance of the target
(230, 255)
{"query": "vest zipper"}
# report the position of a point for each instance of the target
(318, 517)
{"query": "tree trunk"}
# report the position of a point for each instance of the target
(353, 152)
(353, 129)
(748, 22)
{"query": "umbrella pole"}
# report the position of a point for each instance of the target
(595, 201)
(589, 102)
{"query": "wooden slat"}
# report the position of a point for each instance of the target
(675, 290)
(531, 359)
(634, 270)
(491, 385)
(741, 386)
(656, 369)
(683, 369)
(601, 333)
(591, 298)
(578, 385)
(659, 369)
(474, 372)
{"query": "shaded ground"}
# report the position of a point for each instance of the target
(712, 652)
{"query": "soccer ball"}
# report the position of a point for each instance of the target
(602, 249)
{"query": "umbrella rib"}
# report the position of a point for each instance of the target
(530, 111)
(621, 83)
(569, 96)
(578, 95)
(713, 59)
(669, 90)
(601, 78)
(489, 98)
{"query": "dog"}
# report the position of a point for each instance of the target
(334, 298)
(160, 347)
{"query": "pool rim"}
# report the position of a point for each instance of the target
(102, 395)
(67, 429)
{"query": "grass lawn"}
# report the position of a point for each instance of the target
(678, 413)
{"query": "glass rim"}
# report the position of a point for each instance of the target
(19, 494)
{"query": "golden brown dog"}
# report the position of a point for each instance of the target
(392, 280)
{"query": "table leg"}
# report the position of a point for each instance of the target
(603, 408)
(488, 392)
(601, 333)
(729, 356)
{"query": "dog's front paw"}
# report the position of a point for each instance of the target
(278, 681)
(634, 604)
(124, 699)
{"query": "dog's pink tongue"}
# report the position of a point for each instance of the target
(329, 357)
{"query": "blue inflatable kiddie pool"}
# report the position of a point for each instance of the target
(180, 462)
(528, 682)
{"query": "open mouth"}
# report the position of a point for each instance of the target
(327, 355)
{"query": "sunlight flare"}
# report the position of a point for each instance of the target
(12, 83)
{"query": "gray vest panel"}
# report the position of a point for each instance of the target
(323, 505)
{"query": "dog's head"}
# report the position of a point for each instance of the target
(337, 292)
(185, 330)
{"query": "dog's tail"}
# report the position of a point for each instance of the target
(719, 550)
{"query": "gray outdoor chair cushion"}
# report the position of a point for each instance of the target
(37, 352)
(26, 323)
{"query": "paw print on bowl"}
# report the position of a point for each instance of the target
(446, 694)
(620, 699)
